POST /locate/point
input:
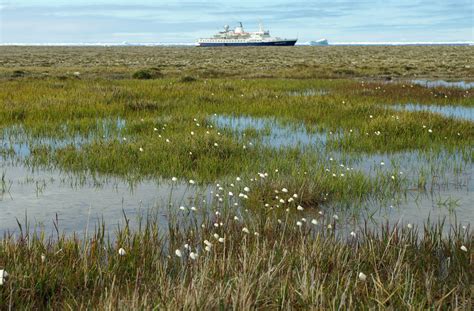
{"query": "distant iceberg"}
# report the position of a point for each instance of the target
(319, 42)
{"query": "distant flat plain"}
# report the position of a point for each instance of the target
(386, 62)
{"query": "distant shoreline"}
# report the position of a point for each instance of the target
(178, 44)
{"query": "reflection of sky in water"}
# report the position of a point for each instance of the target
(17, 139)
(458, 112)
(437, 83)
(42, 194)
(273, 133)
(308, 92)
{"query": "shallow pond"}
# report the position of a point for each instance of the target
(437, 83)
(272, 133)
(41, 195)
(458, 112)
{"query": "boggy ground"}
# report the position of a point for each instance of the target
(89, 111)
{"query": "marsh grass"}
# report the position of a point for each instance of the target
(89, 116)
(275, 265)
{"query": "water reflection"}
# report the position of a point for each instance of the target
(458, 112)
(273, 133)
(437, 83)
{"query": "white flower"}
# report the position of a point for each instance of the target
(122, 252)
(300, 208)
(178, 253)
(193, 255)
(362, 276)
(174, 179)
(245, 230)
(3, 276)
(464, 248)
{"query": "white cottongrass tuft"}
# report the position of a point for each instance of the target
(221, 240)
(464, 248)
(410, 226)
(122, 252)
(192, 182)
(43, 257)
(178, 253)
(193, 255)
(245, 230)
(314, 222)
(362, 276)
(335, 217)
(3, 276)
(300, 208)
(353, 234)
(174, 179)
(284, 190)
(299, 223)
(246, 189)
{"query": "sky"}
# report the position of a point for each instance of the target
(174, 21)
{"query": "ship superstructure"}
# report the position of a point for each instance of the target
(239, 37)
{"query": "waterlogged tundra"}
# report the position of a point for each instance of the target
(243, 193)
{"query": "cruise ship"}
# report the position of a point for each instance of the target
(239, 37)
